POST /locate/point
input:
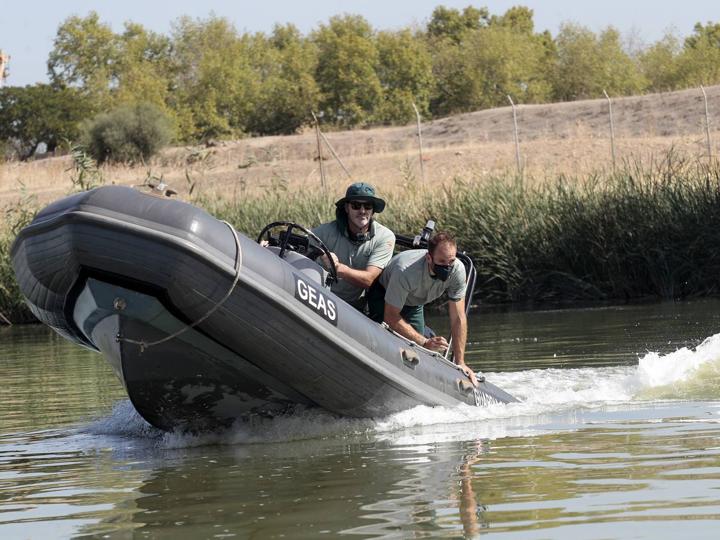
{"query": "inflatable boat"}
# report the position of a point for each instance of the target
(204, 325)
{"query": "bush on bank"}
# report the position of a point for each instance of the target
(129, 134)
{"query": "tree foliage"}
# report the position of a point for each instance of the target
(143, 69)
(215, 86)
(85, 54)
(452, 24)
(347, 70)
(660, 64)
(518, 18)
(405, 73)
(588, 63)
(40, 114)
(699, 62)
(284, 64)
(213, 81)
(491, 62)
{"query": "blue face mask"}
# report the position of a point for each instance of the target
(442, 272)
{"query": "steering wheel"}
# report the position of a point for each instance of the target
(295, 242)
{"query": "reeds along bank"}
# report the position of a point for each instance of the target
(640, 231)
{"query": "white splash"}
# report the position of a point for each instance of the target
(656, 370)
(683, 374)
(542, 393)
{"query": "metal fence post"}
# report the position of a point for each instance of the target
(517, 140)
(319, 150)
(420, 145)
(707, 124)
(337, 158)
(612, 128)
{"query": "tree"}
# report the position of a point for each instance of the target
(588, 64)
(405, 73)
(503, 58)
(708, 34)
(143, 69)
(284, 64)
(85, 54)
(450, 23)
(660, 64)
(38, 114)
(347, 70)
(215, 89)
(518, 18)
(111, 68)
(700, 59)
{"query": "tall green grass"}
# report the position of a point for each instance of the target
(16, 216)
(638, 232)
(641, 231)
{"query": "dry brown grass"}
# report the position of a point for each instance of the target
(571, 139)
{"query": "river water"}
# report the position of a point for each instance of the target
(617, 436)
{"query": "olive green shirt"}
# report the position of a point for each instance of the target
(408, 282)
(377, 251)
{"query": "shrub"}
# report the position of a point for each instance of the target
(84, 173)
(15, 216)
(131, 133)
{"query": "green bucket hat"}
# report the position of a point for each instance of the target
(364, 192)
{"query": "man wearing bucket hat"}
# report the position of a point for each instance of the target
(359, 245)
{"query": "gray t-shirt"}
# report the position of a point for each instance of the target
(377, 251)
(408, 282)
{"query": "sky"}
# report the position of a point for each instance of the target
(27, 28)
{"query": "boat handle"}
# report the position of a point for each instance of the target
(410, 358)
(465, 386)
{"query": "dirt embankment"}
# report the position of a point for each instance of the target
(563, 138)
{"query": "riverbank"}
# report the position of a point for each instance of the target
(555, 139)
(639, 231)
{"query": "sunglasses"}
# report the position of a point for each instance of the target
(357, 205)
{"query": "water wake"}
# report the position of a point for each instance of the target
(683, 374)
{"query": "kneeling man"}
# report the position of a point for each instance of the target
(417, 276)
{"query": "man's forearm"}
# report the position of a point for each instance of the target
(359, 278)
(459, 337)
(402, 327)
